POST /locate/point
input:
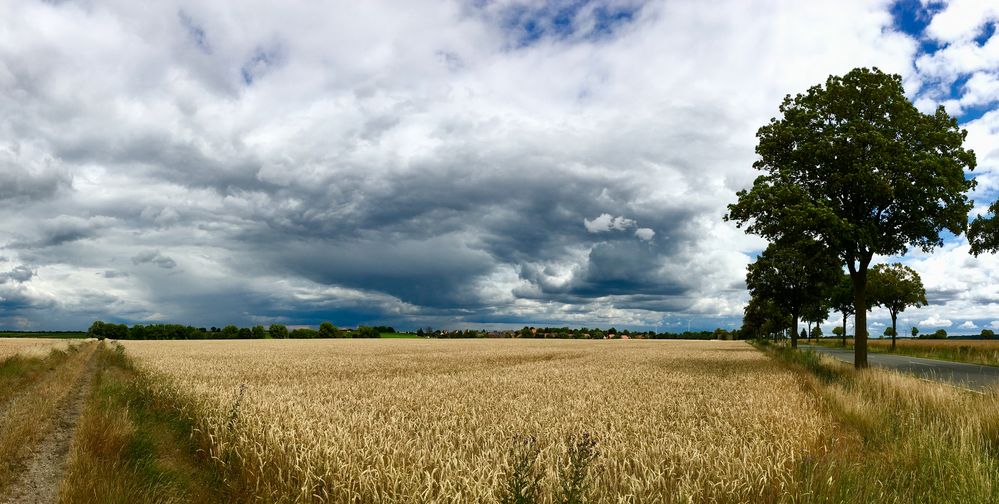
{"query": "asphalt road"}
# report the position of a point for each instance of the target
(972, 376)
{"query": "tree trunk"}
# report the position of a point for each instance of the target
(894, 331)
(809, 333)
(844, 329)
(859, 277)
(794, 332)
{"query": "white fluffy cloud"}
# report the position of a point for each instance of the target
(935, 321)
(645, 234)
(607, 222)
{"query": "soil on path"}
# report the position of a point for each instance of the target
(45, 465)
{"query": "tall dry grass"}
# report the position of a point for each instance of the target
(33, 347)
(433, 421)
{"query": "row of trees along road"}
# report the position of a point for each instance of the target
(851, 169)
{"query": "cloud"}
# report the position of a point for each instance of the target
(27, 173)
(606, 222)
(645, 234)
(968, 325)
(154, 257)
(421, 164)
(935, 321)
(19, 274)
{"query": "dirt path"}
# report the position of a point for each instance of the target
(45, 465)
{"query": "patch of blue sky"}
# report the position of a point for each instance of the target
(195, 32)
(912, 17)
(259, 64)
(987, 32)
(969, 114)
(561, 20)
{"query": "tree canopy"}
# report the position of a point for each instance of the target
(855, 166)
(983, 232)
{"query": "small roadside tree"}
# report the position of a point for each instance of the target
(841, 300)
(816, 333)
(816, 312)
(839, 332)
(915, 331)
(853, 164)
(792, 273)
(895, 287)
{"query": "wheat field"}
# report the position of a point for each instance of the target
(436, 420)
(32, 347)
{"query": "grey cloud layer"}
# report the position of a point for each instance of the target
(405, 163)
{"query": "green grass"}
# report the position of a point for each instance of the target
(54, 334)
(398, 335)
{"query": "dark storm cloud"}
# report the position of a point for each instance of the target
(60, 230)
(431, 236)
(156, 258)
(436, 272)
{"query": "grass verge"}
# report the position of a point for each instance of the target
(130, 447)
(900, 439)
(28, 414)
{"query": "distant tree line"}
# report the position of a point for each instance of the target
(529, 332)
(105, 330)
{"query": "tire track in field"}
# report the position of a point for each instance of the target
(45, 464)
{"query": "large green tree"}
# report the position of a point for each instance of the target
(793, 274)
(853, 165)
(895, 287)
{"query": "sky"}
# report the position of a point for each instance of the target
(453, 164)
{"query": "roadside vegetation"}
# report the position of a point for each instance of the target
(902, 440)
